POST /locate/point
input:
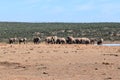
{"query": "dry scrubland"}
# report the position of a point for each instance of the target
(59, 62)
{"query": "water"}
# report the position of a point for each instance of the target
(110, 45)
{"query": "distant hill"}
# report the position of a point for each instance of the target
(108, 31)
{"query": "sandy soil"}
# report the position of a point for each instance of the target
(59, 62)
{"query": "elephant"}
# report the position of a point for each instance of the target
(22, 40)
(78, 40)
(93, 40)
(85, 41)
(48, 39)
(54, 39)
(82, 40)
(70, 40)
(99, 42)
(12, 40)
(51, 39)
(36, 40)
(61, 41)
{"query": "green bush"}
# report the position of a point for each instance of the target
(97, 30)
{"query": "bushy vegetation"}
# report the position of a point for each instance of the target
(108, 31)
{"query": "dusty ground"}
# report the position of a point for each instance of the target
(59, 62)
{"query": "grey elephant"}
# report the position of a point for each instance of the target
(12, 40)
(78, 40)
(24, 40)
(70, 40)
(85, 41)
(99, 42)
(93, 40)
(48, 39)
(37, 40)
(54, 39)
(61, 41)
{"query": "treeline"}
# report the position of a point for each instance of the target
(108, 31)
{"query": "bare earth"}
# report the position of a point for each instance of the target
(59, 62)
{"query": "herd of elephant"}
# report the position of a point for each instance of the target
(72, 40)
(59, 40)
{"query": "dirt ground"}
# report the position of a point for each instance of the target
(59, 62)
